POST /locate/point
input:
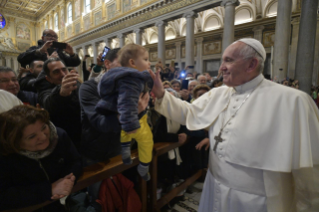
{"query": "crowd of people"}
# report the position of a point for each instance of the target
(53, 124)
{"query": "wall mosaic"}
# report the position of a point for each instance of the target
(62, 22)
(153, 56)
(77, 9)
(268, 39)
(212, 48)
(111, 11)
(87, 23)
(23, 32)
(69, 31)
(97, 18)
(170, 54)
(23, 46)
(77, 28)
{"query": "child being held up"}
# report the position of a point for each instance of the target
(119, 90)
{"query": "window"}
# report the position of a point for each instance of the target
(56, 22)
(70, 13)
(87, 6)
(46, 25)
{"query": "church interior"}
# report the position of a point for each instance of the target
(192, 34)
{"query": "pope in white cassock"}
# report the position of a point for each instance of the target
(264, 137)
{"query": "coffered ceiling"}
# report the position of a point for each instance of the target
(30, 9)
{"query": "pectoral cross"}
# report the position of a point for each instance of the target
(218, 140)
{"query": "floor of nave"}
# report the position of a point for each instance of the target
(190, 202)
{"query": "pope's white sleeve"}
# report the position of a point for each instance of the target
(173, 108)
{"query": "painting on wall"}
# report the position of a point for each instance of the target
(2, 21)
(111, 11)
(212, 48)
(97, 3)
(170, 54)
(69, 31)
(62, 18)
(77, 28)
(23, 46)
(23, 32)
(97, 18)
(184, 51)
(62, 36)
(153, 56)
(77, 9)
(268, 39)
(143, 1)
(87, 23)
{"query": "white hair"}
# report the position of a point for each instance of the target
(248, 52)
(201, 76)
(190, 81)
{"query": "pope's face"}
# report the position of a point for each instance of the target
(234, 66)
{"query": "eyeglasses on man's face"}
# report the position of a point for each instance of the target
(6, 80)
(51, 36)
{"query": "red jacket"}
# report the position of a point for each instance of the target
(118, 195)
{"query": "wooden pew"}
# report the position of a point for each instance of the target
(97, 172)
(159, 149)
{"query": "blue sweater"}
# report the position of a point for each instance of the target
(119, 90)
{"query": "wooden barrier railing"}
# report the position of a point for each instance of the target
(97, 172)
(159, 149)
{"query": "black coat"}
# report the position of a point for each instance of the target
(65, 112)
(28, 98)
(27, 83)
(100, 133)
(24, 183)
(30, 55)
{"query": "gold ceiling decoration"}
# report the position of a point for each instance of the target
(31, 9)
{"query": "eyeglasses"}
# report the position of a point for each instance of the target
(51, 36)
(5, 81)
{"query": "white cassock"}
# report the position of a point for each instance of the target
(268, 159)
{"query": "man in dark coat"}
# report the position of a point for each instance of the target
(58, 94)
(27, 82)
(45, 49)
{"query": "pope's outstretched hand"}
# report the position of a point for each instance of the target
(158, 88)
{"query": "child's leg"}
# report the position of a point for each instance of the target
(144, 138)
(126, 148)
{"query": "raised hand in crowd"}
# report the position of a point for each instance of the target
(182, 137)
(204, 142)
(22, 71)
(45, 46)
(69, 49)
(63, 186)
(53, 55)
(184, 94)
(143, 102)
(158, 88)
(69, 83)
(98, 60)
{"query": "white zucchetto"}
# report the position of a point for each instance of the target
(255, 44)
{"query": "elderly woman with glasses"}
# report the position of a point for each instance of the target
(38, 160)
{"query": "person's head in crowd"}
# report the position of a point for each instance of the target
(55, 70)
(36, 67)
(242, 61)
(134, 56)
(49, 35)
(217, 83)
(200, 90)
(191, 85)
(202, 79)
(8, 80)
(167, 84)
(111, 59)
(173, 92)
(285, 82)
(208, 77)
(24, 128)
(189, 74)
(176, 85)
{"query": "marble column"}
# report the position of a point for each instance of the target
(229, 22)
(258, 32)
(190, 25)
(8, 61)
(306, 44)
(199, 59)
(107, 42)
(178, 54)
(138, 35)
(95, 52)
(293, 48)
(161, 40)
(315, 75)
(121, 37)
(282, 39)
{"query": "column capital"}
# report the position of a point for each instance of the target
(227, 2)
(190, 14)
(160, 23)
(120, 36)
(199, 40)
(178, 44)
(139, 30)
(258, 28)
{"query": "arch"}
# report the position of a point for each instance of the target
(271, 9)
(211, 22)
(70, 16)
(244, 14)
(153, 38)
(170, 34)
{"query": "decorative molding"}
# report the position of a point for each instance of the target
(160, 23)
(190, 14)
